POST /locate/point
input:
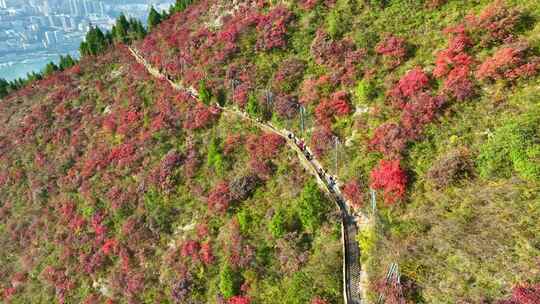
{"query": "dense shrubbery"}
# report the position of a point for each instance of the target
(513, 146)
(149, 202)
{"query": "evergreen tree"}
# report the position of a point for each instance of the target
(66, 62)
(120, 29)
(95, 42)
(180, 5)
(136, 30)
(4, 88)
(154, 18)
(252, 107)
(204, 95)
(50, 68)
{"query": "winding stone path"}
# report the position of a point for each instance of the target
(354, 289)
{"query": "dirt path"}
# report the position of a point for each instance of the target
(353, 290)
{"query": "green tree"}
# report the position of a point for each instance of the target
(278, 224)
(204, 94)
(50, 68)
(66, 62)
(120, 29)
(252, 106)
(228, 281)
(214, 158)
(95, 42)
(180, 6)
(513, 146)
(312, 206)
(4, 87)
(154, 18)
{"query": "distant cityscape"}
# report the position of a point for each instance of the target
(34, 32)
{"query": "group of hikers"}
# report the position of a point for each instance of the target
(329, 179)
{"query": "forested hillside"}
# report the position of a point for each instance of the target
(116, 187)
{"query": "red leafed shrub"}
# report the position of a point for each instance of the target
(190, 248)
(389, 139)
(192, 162)
(123, 154)
(265, 146)
(454, 64)
(509, 62)
(311, 89)
(420, 111)
(110, 246)
(337, 105)
(353, 192)
(309, 4)
(412, 83)
(393, 49)
(202, 231)
(161, 175)
(391, 291)
(341, 56)
(318, 300)
(206, 253)
(263, 169)
(199, 116)
(391, 179)
(231, 143)
(523, 294)
(240, 95)
(322, 140)
(289, 74)
(286, 106)
(239, 300)
(272, 28)
(220, 197)
(495, 23)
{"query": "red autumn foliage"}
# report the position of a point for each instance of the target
(192, 162)
(286, 106)
(110, 246)
(393, 49)
(391, 179)
(289, 73)
(318, 300)
(412, 83)
(420, 111)
(200, 116)
(309, 4)
(220, 197)
(264, 147)
(340, 56)
(190, 249)
(322, 140)
(353, 192)
(272, 28)
(263, 169)
(389, 139)
(337, 105)
(231, 143)
(495, 23)
(161, 175)
(391, 291)
(239, 300)
(523, 294)
(509, 62)
(206, 253)
(454, 64)
(311, 89)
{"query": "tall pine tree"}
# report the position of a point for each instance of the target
(154, 18)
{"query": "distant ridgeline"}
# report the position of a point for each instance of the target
(96, 42)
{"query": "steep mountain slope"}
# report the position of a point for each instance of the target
(115, 186)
